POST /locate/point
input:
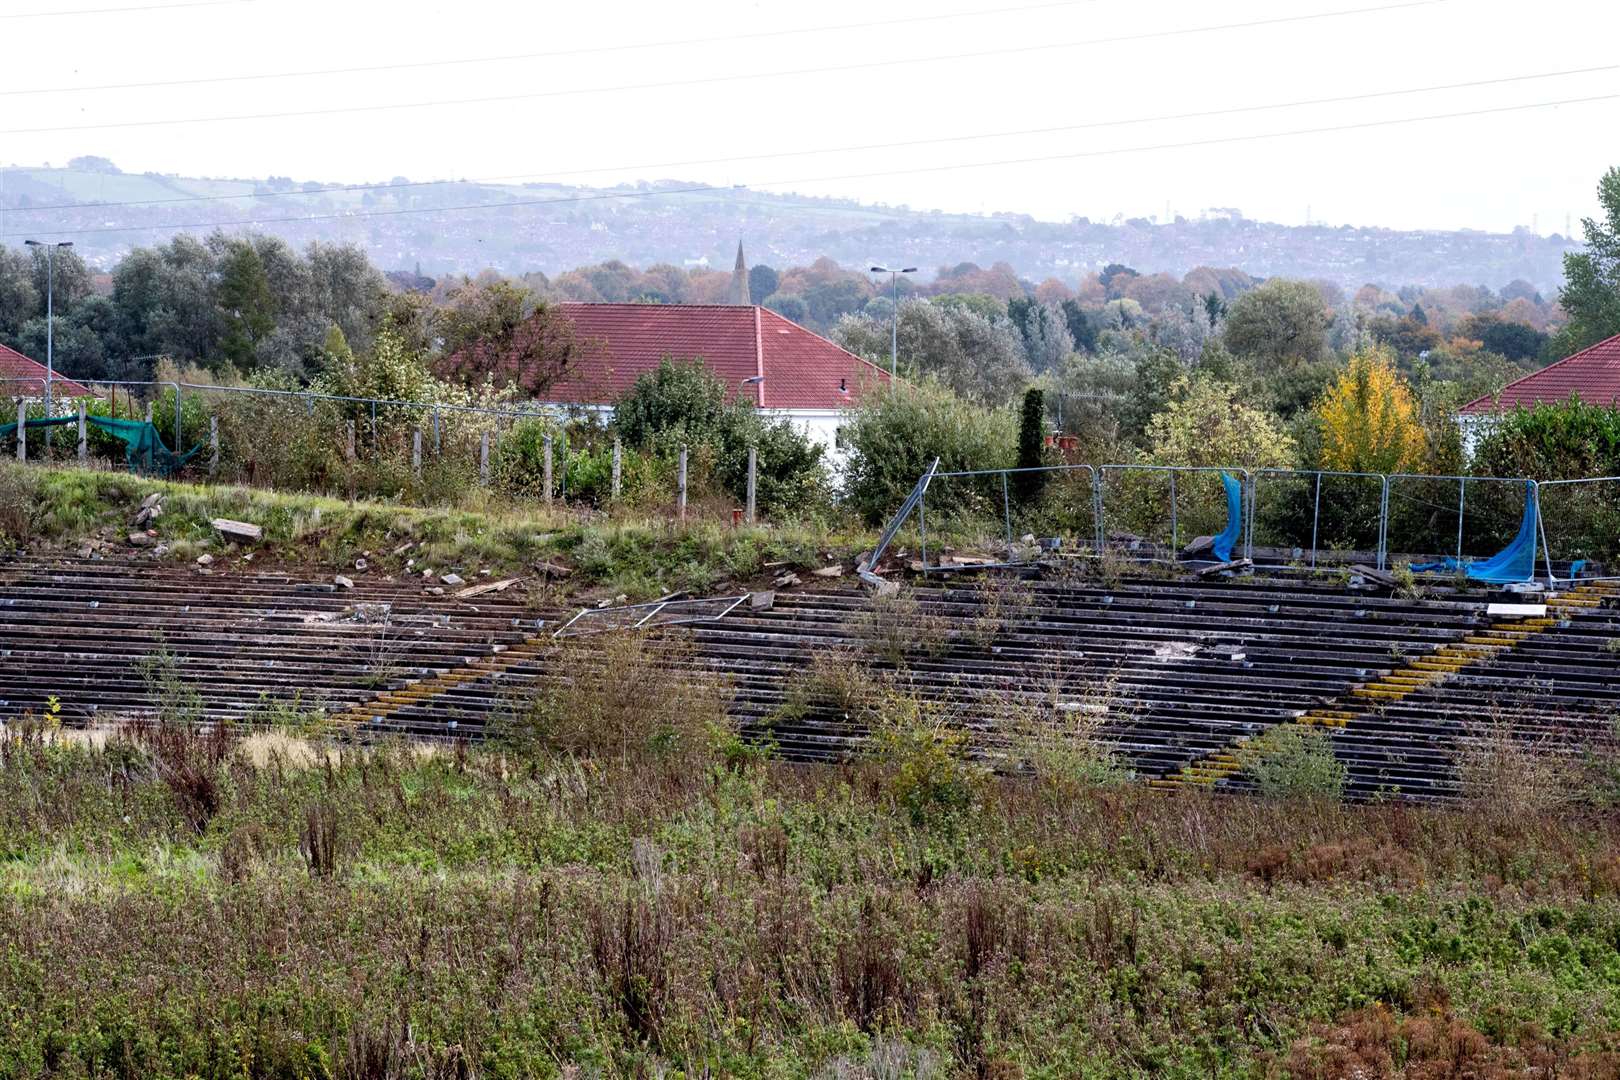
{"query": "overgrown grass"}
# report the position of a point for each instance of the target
(639, 558)
(382, 912)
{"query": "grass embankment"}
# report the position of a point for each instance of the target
(183, 905)
(639, 558)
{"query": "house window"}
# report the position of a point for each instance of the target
(840, 438)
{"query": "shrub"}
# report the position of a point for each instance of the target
(1293, 762)
(924, 746)
(620, 695)
(894, 435)
(18, 488)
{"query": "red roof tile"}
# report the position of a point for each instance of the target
(22, 377)
(1593, 375)
(801, 370)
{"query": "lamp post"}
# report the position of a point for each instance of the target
(894, 320)
(50, 317)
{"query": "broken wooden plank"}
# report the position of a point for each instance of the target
(486, 587)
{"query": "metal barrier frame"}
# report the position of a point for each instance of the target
(1316, 511)
(1462, 503)
(653, 610)
(1542, 523)
(1245, 501)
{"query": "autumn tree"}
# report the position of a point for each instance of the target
(1369, 418)
(1209, 424)
(1591, 292)
(1281, 322)
(499, 332)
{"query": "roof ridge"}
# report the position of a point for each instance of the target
(1539, 372)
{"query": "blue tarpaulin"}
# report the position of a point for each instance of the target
(1234, 519)
(1516, 562)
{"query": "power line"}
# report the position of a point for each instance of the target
(555, 53)
(121, 10)
(515, 203)
(860, 147)
(720, 79)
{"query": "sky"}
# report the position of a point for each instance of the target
(1055, 108)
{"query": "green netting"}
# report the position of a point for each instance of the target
(143, 447)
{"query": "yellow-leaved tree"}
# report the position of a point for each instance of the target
(1369, 418)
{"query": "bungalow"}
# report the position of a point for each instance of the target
(1591, 376)
(21, 377)
(784, 369)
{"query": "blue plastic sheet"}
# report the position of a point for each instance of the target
(1516, 562)
(1234, 519)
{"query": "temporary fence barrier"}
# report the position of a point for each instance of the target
(1307, 514)
(1585, 523)
(1050, 501)
(1472, 516)
(648, 616)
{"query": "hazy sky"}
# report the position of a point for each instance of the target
(735, 92)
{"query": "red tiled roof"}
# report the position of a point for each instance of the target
(801, 370)
(22, 377)
(1593, 375)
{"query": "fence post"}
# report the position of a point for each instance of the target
(22, 429)
(84, 441)
(148, 412)
(351, 441)
(483, 459)
(753, 480)
(1316, 519)
(547, 478)
(416, 452)
(680, 489)
(618, 467)
(1383, 523)
(213, 445)
(179, 432)
(1462, 500)
(1174, 535)
(436, 443)
(373, 422)
(1097, 506)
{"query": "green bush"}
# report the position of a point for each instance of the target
(896, 433)
(1293, 762)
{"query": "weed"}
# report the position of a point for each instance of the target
(925, 749)
(897, 627)
(1001, 600)
(1510, 769)
(1293, 762)
(1407, 585)
(319, 842)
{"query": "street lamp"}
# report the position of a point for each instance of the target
(50, 317)
(894, 320)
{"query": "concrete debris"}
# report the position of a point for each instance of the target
(453, 580)
(761, 601)
(886, 589)
(403, 548)
(139, 539)
(239, 530)
(551, 569)
(205, 560)
(787, 581)
(360, 564)
(161, 550)
(828, 572)
(1175, 650)
(151, 500)
(435, 590)
(342, 582)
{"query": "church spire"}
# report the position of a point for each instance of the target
(738, 293)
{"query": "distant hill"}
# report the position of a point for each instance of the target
(551, 227)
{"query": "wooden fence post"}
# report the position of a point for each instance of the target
(148, 412)
(753, 473)
(213, 445)
(618, 468)
(547, 477)
(483, 459)
(416, 452)
(84, 440)
(22, 430)
(680, 491)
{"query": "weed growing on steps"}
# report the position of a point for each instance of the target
(897, 628)
(1293, 762)
(1511, 767)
